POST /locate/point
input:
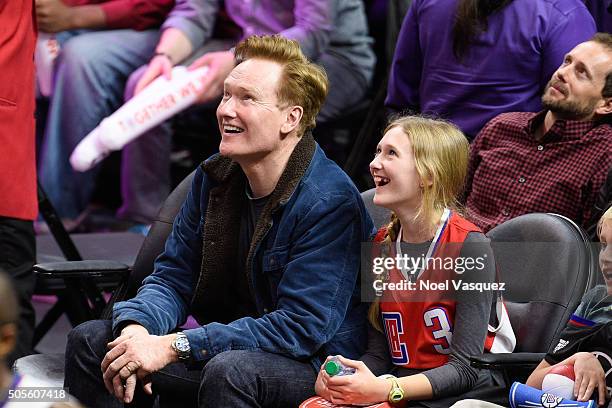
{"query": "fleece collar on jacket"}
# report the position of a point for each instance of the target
(222, 227)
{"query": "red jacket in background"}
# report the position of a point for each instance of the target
(17, 157)
(134, 14)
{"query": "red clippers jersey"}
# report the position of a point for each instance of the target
(420, 333)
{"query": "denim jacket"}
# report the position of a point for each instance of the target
(306, 288)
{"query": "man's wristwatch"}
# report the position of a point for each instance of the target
(180, 344)
(397, 393)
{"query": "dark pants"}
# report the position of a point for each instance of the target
(235, 378)
(17, 255)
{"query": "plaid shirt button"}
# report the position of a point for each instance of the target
(521, 179)
(540, 147)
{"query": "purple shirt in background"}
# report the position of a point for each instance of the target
(504, 70)
(299, 20)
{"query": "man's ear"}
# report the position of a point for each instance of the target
(292, 120)
(605, 108)
(8, 338)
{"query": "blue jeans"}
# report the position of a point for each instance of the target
(235, 378)
(89, 79)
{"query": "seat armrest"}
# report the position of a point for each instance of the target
(503, 361)
(80, 269)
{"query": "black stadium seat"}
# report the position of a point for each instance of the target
(547, 265)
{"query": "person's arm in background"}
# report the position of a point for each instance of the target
(55, 16)
(587, 370)
(569, 346)
(405, 74)
(313, 21)
(188, 26)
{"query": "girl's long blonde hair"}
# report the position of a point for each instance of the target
(441, 154)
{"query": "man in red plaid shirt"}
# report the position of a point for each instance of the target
(552, 161)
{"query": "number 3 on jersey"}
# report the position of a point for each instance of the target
(444, 333)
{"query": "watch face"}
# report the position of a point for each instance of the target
(182, 344)
(396, 396)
